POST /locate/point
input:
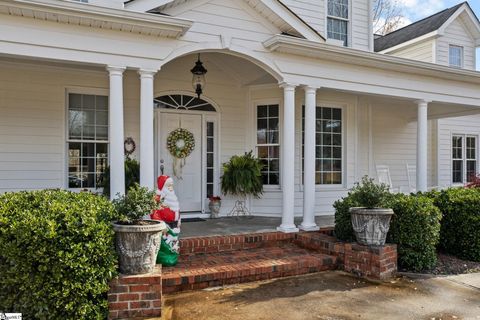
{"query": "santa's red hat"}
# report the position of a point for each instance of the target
(161, 181)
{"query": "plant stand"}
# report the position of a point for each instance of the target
(240, 209)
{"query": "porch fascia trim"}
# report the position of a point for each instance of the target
(97, 17)
(302, 47)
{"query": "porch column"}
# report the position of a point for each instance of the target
(308, 223)
(288, 159)
(422, 144)
(115, 134)
(146, 129)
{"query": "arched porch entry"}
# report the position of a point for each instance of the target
(219, 121)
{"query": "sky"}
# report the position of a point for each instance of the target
(418, 9)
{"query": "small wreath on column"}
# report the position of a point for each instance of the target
(180, 144)
(129, 146)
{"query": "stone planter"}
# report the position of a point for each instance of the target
(137, 246)
(215, 209)
(371, 225)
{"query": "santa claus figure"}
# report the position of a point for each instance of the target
(170, 214)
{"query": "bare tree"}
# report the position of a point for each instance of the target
(388, 16)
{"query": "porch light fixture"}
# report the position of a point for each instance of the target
(198, 80)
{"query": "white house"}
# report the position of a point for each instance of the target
(297, 82)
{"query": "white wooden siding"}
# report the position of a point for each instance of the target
(447, 127)
(456, 34)
(360, 22)
(422, 51)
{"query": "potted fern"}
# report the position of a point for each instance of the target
(242, 177)
(137, 241)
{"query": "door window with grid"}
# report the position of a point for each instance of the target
(328, 145)
(268, 142)
(464, 158)
(337, 20)
(87, 139)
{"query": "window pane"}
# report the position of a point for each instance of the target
(88, 102)
(337, 29)
(262, 111)
(338, 8)
(471, 170)
(456, 56)
(101, 103)
(210, 144)
(268, 135)
(210, 160)
(457, 171)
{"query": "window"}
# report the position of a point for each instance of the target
(464, 158)
(328, 145)
(268, 144)
(337, 20)
(182, 102)
(87, 139)
(456, 56)
(210, 157)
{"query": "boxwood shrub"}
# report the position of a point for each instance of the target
(415, 228)
(460, 232)
(56, 254)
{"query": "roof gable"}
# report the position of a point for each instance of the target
(437, 22)
(274, 11)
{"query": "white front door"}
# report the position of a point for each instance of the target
(188, 184)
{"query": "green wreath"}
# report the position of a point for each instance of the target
(180, 143)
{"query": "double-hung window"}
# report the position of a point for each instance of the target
(87, 139)
(337, 20)
(464, 158)
(268, 142)
(455, 56)
(328, 145)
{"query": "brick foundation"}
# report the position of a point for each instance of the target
(138, 296)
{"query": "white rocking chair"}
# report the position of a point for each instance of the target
(412, 177)
(383, 176)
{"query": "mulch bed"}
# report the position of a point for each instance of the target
(448, 264)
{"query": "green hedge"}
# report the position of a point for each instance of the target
(57, 254)
(415, 228)
(460, 232)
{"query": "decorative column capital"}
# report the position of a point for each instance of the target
(116, 70)
(146, 73)
(287, 85)
(309, 89)
(422, 102)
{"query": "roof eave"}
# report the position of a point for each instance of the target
(302, 47)
(124, 20)
(405, 44)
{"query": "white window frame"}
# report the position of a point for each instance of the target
(464, 156)
(349, 24)
(462, 56)
(84, 91)
(323, 187)
(263, 102)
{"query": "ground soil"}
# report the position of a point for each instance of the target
(448, 264)
(331, 296)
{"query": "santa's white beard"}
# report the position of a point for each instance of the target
(170, 200)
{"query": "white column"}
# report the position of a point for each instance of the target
(288, 159)
(422, 145)
(308, 223)
(115, 134)
(146, 129)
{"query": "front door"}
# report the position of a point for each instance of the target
(188, 182)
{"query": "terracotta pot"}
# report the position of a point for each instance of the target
(371, 225)
(137, 246)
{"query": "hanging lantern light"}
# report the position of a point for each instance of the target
(198, 80)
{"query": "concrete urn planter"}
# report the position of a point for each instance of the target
(214, 208)
(137, 246)
(371, 225)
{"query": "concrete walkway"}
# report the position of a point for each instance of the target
(242, 225)
(333, 296)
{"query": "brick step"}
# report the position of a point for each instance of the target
(213, 244)
(199, 271)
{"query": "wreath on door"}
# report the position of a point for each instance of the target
(180, 144)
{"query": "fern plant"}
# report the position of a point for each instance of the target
(242, 176)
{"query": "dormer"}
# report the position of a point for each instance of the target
(449, 37)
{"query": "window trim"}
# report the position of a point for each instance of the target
(262, 102)
(462, 56)
(85, 91)
(464, 156)
(327, 187)
(348, 20)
